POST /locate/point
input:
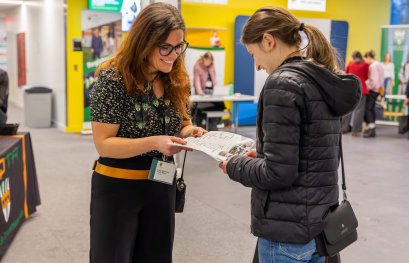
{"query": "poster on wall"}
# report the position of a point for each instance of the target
(101, 37)
(202, 41)
(395, 42)
(21, 59)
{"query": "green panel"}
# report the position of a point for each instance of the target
(105, 5)
(87, 114)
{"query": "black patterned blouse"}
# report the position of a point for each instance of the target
(138, 117)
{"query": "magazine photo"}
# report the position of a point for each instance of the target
(220, 145)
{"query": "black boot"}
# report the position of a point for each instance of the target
(370, 133)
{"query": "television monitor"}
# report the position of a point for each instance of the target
(128, 8)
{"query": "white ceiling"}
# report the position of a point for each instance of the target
(5, 7)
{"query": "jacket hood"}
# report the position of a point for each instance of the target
(341, 92)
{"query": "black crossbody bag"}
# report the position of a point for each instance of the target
(340, 223)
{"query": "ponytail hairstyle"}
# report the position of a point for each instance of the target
(281, 24)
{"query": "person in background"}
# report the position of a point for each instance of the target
(293, 172)
(139, 108)
(111, 41)
(4, 95)
(96, 44)
(389, 74)
(204, 75)
(204, 80)
(404, 76)
(359, 68)
(374, 82)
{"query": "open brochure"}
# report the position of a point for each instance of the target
(220, 145)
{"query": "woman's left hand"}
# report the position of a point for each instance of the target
(198, 132)
(223, 165)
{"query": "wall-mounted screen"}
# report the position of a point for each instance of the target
(128, 8)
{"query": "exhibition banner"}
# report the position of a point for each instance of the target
(395, 41)
(101, 37)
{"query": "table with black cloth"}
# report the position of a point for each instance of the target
(19, 190)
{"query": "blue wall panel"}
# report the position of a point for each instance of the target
(339, 37)
(243, 75)
(399, 12)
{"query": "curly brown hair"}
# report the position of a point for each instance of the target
(150, 29)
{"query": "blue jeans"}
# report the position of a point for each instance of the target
(276, 252)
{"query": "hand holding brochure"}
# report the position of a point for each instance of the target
(220, 145)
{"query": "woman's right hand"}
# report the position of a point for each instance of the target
(164, 144)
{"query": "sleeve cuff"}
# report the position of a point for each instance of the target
(231, 168)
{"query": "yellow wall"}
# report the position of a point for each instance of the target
(75, 83)
(365, 20)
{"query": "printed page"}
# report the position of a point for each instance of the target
(220, 145)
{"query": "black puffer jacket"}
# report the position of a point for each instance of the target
(294, 177)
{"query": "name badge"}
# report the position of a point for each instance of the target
(163, 172)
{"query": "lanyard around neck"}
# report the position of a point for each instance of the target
(162, 106)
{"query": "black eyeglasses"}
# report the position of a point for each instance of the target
(167, 49)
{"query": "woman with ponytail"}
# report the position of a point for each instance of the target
(293, 171)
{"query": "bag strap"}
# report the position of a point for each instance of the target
(344, 186)
(183, 165)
